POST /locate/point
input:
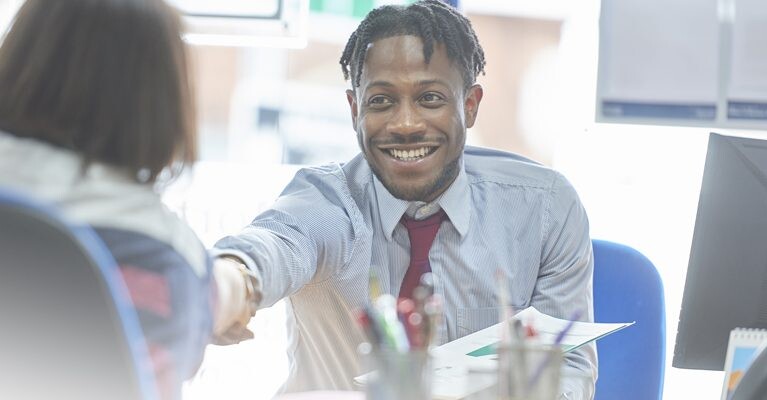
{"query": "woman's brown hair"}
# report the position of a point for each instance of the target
(105, 78)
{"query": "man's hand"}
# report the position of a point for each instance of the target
(235, 334)
(238, 298)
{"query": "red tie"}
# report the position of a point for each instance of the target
(422, 234)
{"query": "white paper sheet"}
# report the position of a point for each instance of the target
(546, 327)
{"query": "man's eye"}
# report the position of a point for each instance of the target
(432, 98)
(379, 101)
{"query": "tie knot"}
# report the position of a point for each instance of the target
(436, 219)
(422, 234)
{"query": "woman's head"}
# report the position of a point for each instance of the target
(105, 78)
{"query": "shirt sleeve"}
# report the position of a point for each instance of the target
(305, 237)
(564, 288)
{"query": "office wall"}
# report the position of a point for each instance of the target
(517, 51)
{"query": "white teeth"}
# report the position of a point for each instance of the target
(410, 155)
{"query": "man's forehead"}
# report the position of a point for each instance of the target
(396, 54)
(399, 47)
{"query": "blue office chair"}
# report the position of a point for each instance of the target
(67, 330)
(627, 287)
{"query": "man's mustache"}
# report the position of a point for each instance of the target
(409, 139)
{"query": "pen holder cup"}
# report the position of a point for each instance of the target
(399, 376)
(575, 384)
(529, 372)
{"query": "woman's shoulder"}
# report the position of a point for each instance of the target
(141, 250)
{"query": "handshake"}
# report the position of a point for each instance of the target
(238, 295)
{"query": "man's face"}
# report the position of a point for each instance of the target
(411, 117)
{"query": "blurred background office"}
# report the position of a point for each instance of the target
(273, 99)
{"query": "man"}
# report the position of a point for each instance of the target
(413, 96)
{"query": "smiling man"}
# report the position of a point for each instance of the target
(411, 116)
(491, 215)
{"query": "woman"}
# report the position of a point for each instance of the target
(95, 106)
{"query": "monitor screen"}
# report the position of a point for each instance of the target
(726, 285)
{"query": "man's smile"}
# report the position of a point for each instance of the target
(410, 154)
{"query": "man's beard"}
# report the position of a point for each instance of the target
(427, 191)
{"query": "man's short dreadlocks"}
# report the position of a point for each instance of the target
(433, 21)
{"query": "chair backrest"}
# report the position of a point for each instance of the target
(627, 287)
(68, 331)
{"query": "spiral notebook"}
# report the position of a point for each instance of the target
(744, 345)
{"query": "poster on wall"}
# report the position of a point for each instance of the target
(747, 88)
(658, 59)
(683, 62)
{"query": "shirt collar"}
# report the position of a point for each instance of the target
(455, 201)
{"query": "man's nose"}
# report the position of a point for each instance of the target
(407, 120)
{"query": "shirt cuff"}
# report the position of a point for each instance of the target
(216, 253)
(246, 260)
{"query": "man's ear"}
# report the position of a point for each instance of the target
(471, 104)
(351, 97)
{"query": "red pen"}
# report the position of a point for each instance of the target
(368, 325)
(413, 322)
(530, 332)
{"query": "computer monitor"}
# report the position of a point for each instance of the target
(726, 285)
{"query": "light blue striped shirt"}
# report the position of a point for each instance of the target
(332, 225)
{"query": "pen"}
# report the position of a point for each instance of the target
(503, 311)
(530, 332)
(393, 330)
(433, 313)
(557, 342)
(372, 331)
(512, 335)
(570, 323)
(413, 322)
(375, 286)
